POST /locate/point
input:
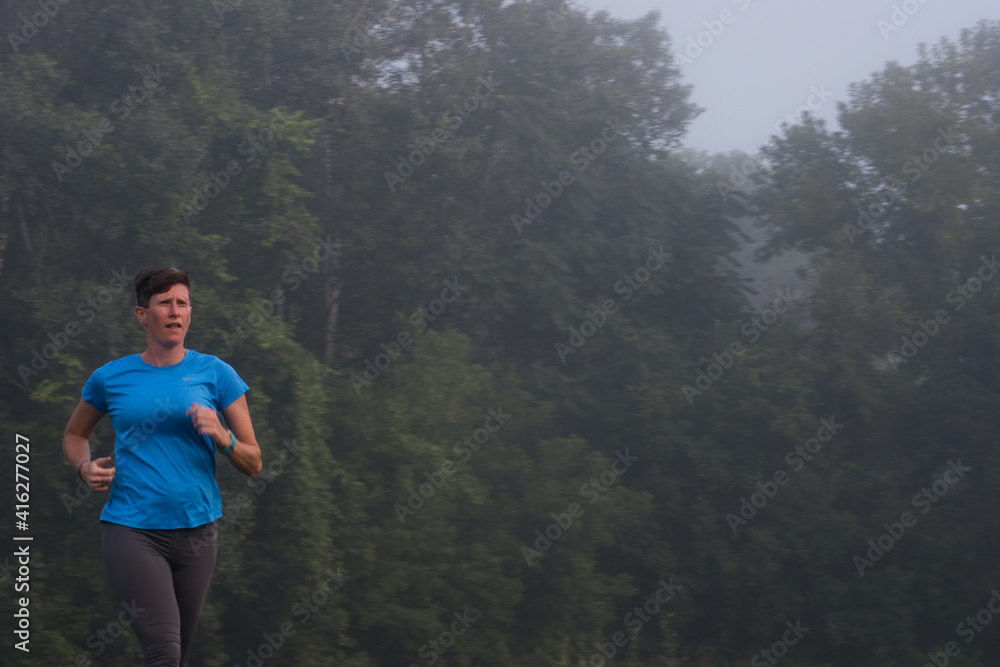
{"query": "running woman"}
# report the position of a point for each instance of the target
(164, 405)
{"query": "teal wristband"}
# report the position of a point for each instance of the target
(232, 444)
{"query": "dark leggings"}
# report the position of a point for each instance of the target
(160, 577)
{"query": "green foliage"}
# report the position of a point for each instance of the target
(418, 230)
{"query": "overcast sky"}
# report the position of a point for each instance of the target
(770, 56)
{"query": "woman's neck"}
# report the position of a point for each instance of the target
(163, 356)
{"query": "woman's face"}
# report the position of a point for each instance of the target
(168, 316)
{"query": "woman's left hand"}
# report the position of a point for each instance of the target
(206, 422)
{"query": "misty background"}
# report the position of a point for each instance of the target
(559, 351)
(765, 64)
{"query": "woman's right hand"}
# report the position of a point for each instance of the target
(97, 477)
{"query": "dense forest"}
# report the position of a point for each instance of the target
(519, 403)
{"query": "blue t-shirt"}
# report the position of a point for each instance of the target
(165, 471)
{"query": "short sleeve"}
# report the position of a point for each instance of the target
(228, 385)
(94, 390)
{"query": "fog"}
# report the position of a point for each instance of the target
(500, 333)
(772, 57)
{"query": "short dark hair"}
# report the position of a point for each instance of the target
(158, 280)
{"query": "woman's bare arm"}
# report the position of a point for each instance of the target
(245, 457)
(76, 447)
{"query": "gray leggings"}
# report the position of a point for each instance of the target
(161, 577)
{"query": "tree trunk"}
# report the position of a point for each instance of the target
(331, 286)
(4, 212)
(331, 267)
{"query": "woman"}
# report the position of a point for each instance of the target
(164, 405)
